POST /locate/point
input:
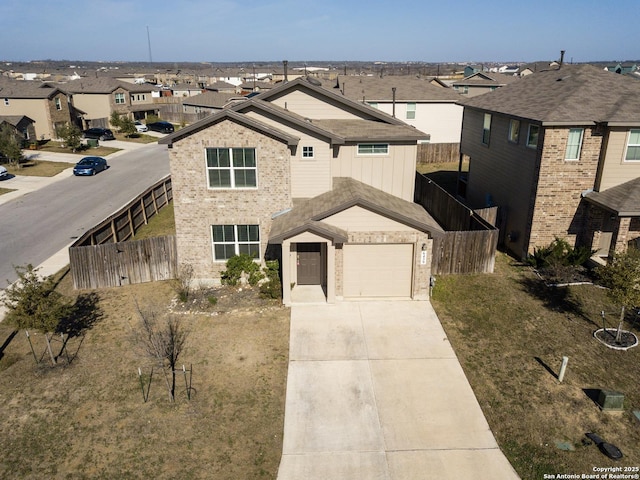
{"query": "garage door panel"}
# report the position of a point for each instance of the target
(379, 270)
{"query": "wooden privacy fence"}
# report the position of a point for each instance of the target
(123, 263)
(123, 224)
(438, 152)
(469, 243)
(102, 258)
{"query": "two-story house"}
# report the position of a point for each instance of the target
(480, 83)
(46, 105)
(303, 175)
(559, 152)
(99, 97)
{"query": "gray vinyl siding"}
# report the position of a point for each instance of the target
(503, 173)
(615, 169)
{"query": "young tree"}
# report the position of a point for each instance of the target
(9, 145)
(621, 276)
(163, 338)
(127, 126)
(33, 304)
(116, 120)
(70, 135)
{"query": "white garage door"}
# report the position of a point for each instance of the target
(381, 270)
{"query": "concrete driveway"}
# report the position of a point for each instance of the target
(375, 391)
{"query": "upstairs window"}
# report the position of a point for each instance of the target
(307, 152)
(486, 128)
(58, 103)
(532, 136)
(119, 98)
(231, 240)
(574, 144)
(231, 167)
(373, 149)
(514, 131)
(633, 146)
(411, 111)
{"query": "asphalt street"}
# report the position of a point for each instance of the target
(41, 222)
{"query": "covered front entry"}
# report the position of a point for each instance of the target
(378, 270)
(309, 264)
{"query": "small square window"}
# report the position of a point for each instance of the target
(307, 152)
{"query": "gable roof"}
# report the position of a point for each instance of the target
(376, 89)
(228, 114)
(568, 95)
(15, 120)
(347, 193)
(26, 89)
(315, 86)
(486, 79)
(105, 85)
(624, 199)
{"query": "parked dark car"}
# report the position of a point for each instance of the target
(90, 166)
(99, 133)
(162, 127)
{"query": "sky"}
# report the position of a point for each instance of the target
(312, 30)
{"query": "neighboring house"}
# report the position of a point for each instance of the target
(22, 126)
(47, 106)
(559, 152)
(508, 69)
(222, 87)
(251, 86)
(482, 82)
(305, 176)
(416, 101)
(623, 68)
(99, 97)
(536, 67)
(209, 102)
(186, 90)
(471, 69)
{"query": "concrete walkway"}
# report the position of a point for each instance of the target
(375, 391)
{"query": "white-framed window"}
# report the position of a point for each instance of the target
(231, 167)
(633, 146)
(307, 152)
(373, 149)
(486, 128)
(532, 136)
(514, 130)
(119, 97)
(58, 103)
(230, 240)
(411, 111)
(574, 144)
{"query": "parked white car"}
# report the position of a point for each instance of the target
(3, 172)
(140, 127)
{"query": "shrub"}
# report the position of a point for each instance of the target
(182, 282)
(272, 287)
(559, 254)
(241, 266)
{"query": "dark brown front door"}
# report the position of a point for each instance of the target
(309, 264)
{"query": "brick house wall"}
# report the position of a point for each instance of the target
(557, 210)
(198, 207)
(59, 117)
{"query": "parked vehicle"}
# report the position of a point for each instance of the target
(90, 166)
(140, 127)
(161, 126)
(99, 133)
(3, 172)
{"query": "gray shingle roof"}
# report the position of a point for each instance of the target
(366, 130)
(623, 199)
(210, 99)
(26, 89)
(105, 85)
(486, 79)
(569, 95)
(376, 89)
(347, 193)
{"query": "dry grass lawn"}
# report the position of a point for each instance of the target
(39, 168)
(86, 419)
(510, 333)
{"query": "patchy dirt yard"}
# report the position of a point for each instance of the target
(86, 417)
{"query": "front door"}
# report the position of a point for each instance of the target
(309, 264)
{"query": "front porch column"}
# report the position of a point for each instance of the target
(286, 272)
(331, 273)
